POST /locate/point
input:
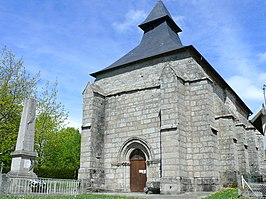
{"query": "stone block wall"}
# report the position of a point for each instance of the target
(173, 139)
(242, 149)
(192, 131)
(237, 130)
(253, 152)
(202, 143)
(91, 168)
(130, 115)
(229, 162)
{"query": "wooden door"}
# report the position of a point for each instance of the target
(137, 174)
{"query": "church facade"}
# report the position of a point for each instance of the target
(161, 119)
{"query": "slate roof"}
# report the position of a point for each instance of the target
(160, 36)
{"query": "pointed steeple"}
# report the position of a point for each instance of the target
(160, 36)
(159, 13)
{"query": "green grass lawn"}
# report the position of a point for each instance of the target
(231, 193)
(224, 194)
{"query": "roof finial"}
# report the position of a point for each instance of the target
(159, 12)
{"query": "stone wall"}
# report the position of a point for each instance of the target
(204, 137)
(130, 115)
(192, 130)
(173, 138)
(91, 161)
(242, 148)
(229, 165)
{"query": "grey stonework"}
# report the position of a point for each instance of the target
(190, 144)
(180, 113)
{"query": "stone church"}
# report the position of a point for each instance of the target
(161, 119)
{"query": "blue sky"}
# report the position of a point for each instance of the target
(69, 39)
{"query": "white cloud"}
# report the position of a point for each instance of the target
(132, 19)
(223, 38)
(246, 88)
(262, 57)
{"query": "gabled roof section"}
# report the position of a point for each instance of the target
(259, 120)
(160, 36)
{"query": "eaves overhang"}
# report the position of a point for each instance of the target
(257, 120)
(107, 70)
(200, 60)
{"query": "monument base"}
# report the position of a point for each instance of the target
(22, 164)
(22, 174)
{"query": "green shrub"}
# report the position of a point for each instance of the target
(46, 172)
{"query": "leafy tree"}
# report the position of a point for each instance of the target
(50, 120)
(15, 85)
(62, 152)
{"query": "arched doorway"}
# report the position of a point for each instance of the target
(138, 176)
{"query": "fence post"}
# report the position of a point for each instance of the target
(2, 166)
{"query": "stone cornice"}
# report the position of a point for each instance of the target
(23, 154)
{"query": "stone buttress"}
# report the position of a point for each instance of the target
(91, 168)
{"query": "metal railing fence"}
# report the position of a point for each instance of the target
(253, 190)
(38, 186)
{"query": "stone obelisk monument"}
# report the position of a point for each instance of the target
(23, 156)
